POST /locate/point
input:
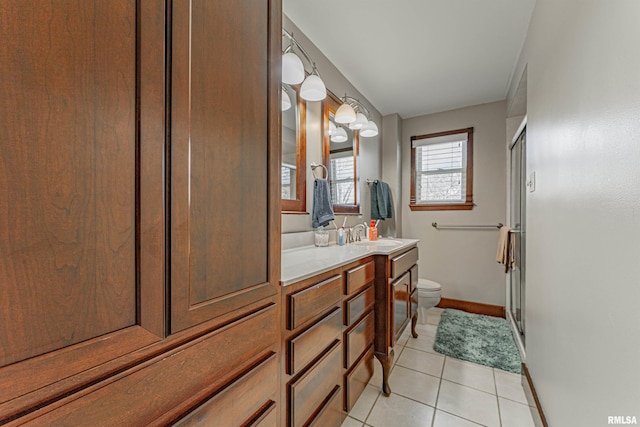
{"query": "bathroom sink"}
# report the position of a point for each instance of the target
(379, 243)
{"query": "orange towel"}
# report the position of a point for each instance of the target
(506, 243)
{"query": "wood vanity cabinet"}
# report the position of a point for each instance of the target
(327, 344)
(396, 304)
(140, 233)
(312, 351)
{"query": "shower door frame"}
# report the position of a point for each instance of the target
(518, 273)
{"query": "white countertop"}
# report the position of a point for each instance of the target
(307, 261)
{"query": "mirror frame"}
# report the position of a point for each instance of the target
(299, 204)
(330, 105)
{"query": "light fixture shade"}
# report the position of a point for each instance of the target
(332, 128)
(340, 135)
(370, 129)
(292, 69)
(313, 89)
(286, 101)
(345, 114)
(360, 121)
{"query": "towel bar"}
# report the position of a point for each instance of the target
(315, 166)
(479, 227)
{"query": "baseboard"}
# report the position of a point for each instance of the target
(473, 307)
(535, 395)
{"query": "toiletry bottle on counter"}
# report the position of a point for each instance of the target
(341, 236)
(373, 231)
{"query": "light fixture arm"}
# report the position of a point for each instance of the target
(295, 42)
(356, 105)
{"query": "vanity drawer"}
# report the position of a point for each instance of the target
(331, 413)
(230, 407)
(403, 262)
(358, 338)
(357, 379)
(359, 277)
(307, 346)
(307, 303)
(414, 277)
(358, 305)
(308, 392)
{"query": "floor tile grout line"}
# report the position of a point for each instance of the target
(516, 401)
(433, 420)
(495, 383)
(415, 370)
(462, 418)
(472, 388)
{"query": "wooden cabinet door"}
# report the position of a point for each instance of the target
(400, 308)
(224, 157)
(80, 261)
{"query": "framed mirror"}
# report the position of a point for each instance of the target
(294, 151)
(340, 156)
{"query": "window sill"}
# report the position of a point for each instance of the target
(467, 206)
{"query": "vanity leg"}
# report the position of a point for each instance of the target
(414, 322)
(386, 360)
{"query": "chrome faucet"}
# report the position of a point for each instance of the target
(358, 238)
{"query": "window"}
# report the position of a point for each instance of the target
(442, 171)
(342, 183)
(288, 181)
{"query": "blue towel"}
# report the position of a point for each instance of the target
(322, 212)
(381, 202)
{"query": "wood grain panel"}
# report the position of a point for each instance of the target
(357, 339)
(403, 262)
(473, 307)
(331, 413)
(359, 277)
(358, 305)
(308, 303)
(67, 173)
(156, 392)
(308, 392)
(240, 402)
(220, 146)
(308, 345)
(357, 379)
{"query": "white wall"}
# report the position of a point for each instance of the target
(583, 250)
(369, 156)
(463, 261)
(392, 172)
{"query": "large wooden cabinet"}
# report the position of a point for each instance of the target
(139, 211)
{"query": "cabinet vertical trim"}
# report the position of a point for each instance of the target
(151, 186)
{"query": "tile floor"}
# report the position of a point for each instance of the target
(431, 390)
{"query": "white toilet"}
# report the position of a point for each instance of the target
(429, 293)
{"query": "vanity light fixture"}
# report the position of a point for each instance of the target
(360, 121)
(345, 114)
(355, 114)
(339, 135)
(286, 101)
(313, 88)
(368, 130)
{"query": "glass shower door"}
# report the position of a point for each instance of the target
(518, 199)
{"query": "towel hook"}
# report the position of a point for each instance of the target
(315, 166)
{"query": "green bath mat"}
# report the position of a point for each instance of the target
(480, 339)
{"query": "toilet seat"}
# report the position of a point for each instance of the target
(428, 285)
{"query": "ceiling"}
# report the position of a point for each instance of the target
(415, 57)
